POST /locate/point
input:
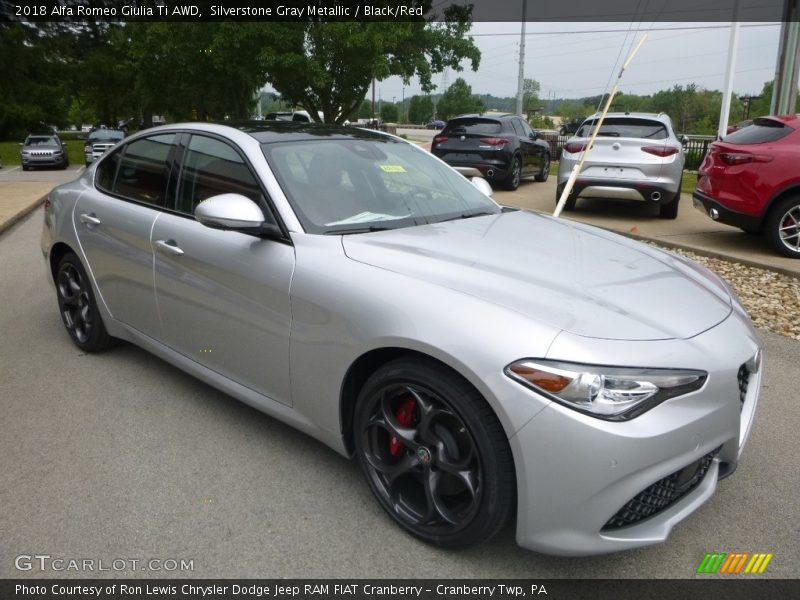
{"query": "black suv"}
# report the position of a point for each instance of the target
(504, 149)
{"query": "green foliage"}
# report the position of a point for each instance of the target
(530, 96)
(458, 99)
(389, 113)
(365, 110)
(329, 67)
(420, 109)
(572, 110)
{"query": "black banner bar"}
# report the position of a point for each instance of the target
(731, 588)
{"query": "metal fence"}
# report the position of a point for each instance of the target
(695, 148)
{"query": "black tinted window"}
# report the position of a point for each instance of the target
(210, 168)
(518, 127)
(626, 127)
(143, 172)
(478, 126)
(107, 171)
(760, 132)
(526, 128)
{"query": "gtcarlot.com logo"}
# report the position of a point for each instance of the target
(734, 563)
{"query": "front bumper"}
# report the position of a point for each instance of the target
(588, 486)
(44, 161)
(725, 215)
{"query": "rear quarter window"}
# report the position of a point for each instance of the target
(478, 126)
(760, 132)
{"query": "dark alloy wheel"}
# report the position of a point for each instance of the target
(78, 308)
(783, 226)
(515, 175)
(434, 453)
(545, 172)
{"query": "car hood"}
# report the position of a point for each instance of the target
(570, 276)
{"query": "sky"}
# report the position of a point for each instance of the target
(569, 64)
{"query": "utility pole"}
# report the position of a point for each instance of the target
(521, 76)
(733, 42)
(784, 94)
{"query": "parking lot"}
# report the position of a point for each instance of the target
(121, 456)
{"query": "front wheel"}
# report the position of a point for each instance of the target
(783, 226)
(434, 453)
(78, 307)
(545, 172)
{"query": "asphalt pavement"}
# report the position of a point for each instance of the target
(120, 456)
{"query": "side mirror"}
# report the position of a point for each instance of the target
(684, 140)
(482, 186)
(534, 135)
(235, 212)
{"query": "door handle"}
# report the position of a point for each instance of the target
(170, 246)
(90, 220)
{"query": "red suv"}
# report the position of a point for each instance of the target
(751, 180)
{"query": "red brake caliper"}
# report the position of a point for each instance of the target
(405, 416)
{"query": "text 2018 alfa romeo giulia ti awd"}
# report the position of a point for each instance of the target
(481, 363)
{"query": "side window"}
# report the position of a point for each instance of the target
(107, 171)
(517, 127)
(210, 168)
(527, 131)
(143, 172)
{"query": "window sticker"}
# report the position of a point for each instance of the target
(392, 169)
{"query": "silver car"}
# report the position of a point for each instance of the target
(636, 156)
(481, 363)
(43, 151)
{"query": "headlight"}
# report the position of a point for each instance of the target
(611, 393)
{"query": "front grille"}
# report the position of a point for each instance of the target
(41, 153)
(662, 493)
(743, 377)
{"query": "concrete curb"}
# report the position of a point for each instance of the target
(21, 214)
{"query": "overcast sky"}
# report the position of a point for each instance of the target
(572, 65)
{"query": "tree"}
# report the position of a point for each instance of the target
(365, 110)
(329, 67)
(458, 99)
(420, 109)
(389, 113)
(530, 96)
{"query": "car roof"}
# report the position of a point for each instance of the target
(663, 117)
(281, 131)
(788, 119)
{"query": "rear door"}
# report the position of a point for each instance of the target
(223, 296)
(113, 223)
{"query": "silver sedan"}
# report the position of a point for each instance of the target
(481, 364)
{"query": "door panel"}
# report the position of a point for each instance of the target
(115, 238)
(223, 298)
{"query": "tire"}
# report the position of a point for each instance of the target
(25, 168)
(783, 226)
(545, 172)
(87, 163)
(78, 307)
(434, 454)
(563, 131)
(670, 209)
(514, 175)
(572, 200)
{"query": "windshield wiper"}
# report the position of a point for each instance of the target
(469, 215)
(347, 231)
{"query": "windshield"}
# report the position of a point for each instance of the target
(43, 140)
(356, 185)
(761, 131)
(113, 136)
(626, 128)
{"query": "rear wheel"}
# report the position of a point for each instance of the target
(78, 307)
(515, 174)
(545, 172)
(670, 209)
(783, 226)
(434, 453)
(569, 205)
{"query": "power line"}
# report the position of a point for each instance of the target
(581, 31)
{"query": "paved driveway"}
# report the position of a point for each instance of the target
(120, 456)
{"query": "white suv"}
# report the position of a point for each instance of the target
(636, 156)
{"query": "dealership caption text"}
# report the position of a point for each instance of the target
(338, 589)
(191, 10)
